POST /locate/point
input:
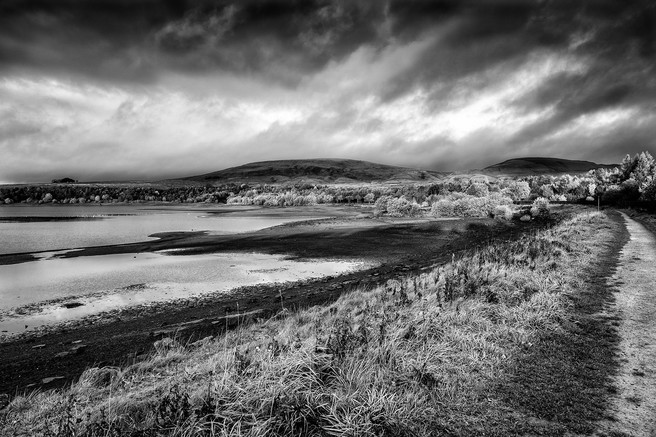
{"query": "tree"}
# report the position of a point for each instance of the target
(627, 166)
(517, 190)
(546, 190)
(643, 170)
(478, 189)
(649, 192)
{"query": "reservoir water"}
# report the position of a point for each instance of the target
(57, 227)
(51, 290)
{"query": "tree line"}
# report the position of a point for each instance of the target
(633, 180)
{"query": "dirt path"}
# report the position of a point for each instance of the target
(634, 405)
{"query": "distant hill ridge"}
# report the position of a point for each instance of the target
(328, 170)
(316, 170)
(539, 165)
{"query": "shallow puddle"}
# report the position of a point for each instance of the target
(56, 290)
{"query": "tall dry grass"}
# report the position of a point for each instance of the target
(419, 356)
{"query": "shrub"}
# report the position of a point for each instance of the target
(546, 190)
(517, 190)
(630, 190)
(478, 189)
(442, 208)
(495, 199)
(540, 207)
(504, 212)
(273, 200)
(325, 198)
(380, 207)
(470, 207)
(611, 195)
(627, 191)
(650, 191)
(463, 205)
(401, 207)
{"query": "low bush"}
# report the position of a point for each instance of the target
(478, 189)
(463, 205)
(396, 207)
(504, 212)
(401, 207)
(540, 207)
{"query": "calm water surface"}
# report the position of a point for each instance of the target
(36, 293)
(60, 227)
(109, 282)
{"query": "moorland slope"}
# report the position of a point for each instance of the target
(537, 165)
(316, 170)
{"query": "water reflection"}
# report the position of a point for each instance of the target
(51, 290)
(112, 282)
(111, 225)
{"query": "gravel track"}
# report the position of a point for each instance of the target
(633, 407)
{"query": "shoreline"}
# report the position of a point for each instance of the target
(164, 239)
(116, 338)
(131, 311)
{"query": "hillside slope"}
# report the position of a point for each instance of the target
(534, 165)
(315, 170)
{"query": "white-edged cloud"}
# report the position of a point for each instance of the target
(186, 125)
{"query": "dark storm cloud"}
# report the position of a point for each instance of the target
(619, 49)
(575, 95)
(97, 38)
(457, 83)
(248, 35)
(487, 33)
(136, 38)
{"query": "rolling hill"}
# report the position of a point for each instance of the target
(345, 171)
(534, 166)
(316, 171)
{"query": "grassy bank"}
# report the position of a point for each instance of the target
(433, 354)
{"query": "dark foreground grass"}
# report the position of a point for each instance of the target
(565, 381)
(480, 346)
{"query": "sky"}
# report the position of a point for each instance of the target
(146, 89)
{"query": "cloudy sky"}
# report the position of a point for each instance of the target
(116, 89)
